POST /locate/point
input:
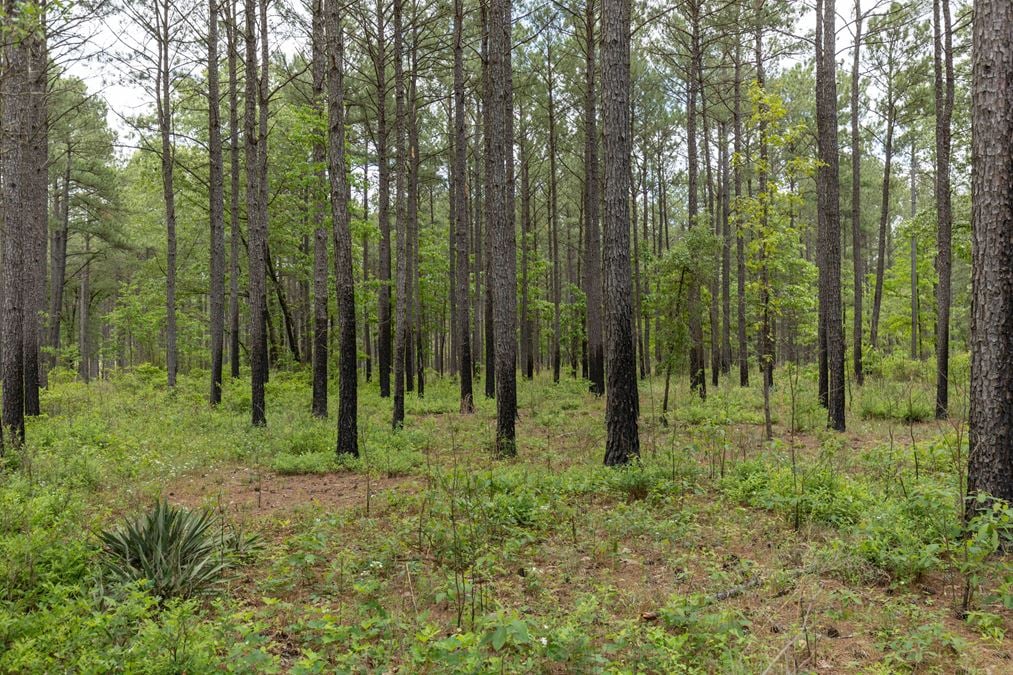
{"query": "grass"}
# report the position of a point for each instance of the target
(717, 553)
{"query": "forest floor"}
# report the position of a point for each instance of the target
(720, 552)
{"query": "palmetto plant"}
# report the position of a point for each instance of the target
(181, 553)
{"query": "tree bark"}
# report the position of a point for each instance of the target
(503, 238)
(38, 205)
(164, 115)
(828, 194)
(15, 156)
(990, 468)
(234, 237)
(697, 374)
(216, 209)
(943, 62)
(462, 244)
(856, 200)
(256, 225)
(740, 239)
(554, 218)
(348, 435)
(401, 316)
(383, 316)
(884, 213)
(592, 235)
(321, 319)
(622, 405)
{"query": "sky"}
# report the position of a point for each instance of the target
(108, 79)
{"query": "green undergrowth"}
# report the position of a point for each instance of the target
(545, 563)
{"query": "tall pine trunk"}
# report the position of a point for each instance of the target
(401, 316)
(164, 115)
(216, 209)
(504, 266)
(990, 467)
(856, 200)
(828, 195)
(321, 319)
(232, 29)
(462, 246)
(943, 63)
(592, 235)
(348, 439)
(256, 226)
(622, 405)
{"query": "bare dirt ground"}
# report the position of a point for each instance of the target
(249, 491)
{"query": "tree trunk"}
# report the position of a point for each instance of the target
(234, 237)
(487, 106)
(257, 227)
(401, 316)
(726, 254)
(828, 194)
(554, 219)
(740, 239)
(990, 467)
(348, 435)
(164, 114)
(462, 245)
(15, 158)
(321, 343)
(592, 235)
(216, 209)
(504, 245)
(58, 261)
(856, 199)
(622, 405)
(37, 207)
(915, 312)
(383, 317)
(697, 374)
(943, 60)
(884, 214)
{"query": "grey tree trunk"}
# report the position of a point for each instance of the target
(740, 239)
(623, 405)
(487, 169)
(58, 259)
(321, 322)
(164, 115)
(401, 315)
(592, 280)
(348, 435)
(884, 213)
(915, 312)
(504, 266)
(697, 374)
(37, 206)
(554, 218)
(232, 28)
(216, 209)
(726, 253)
(856, 200)
(990, 467)
(527, 348)
(15, 155)
(383, 205)
(257, 227)
(828, 194)
(943, 61)
(462, 245)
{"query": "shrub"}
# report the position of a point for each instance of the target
(180, 553)
(313, 462)
(890, 400)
